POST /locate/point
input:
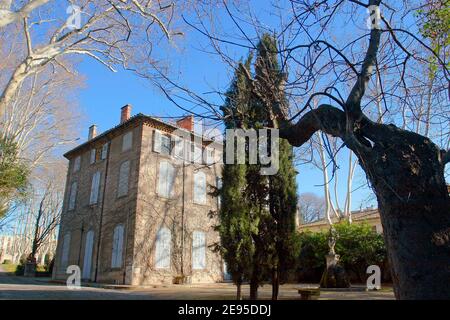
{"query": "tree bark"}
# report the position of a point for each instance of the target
(275, 283)
(407, 174)
(254, 284)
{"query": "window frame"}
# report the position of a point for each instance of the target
(117, 249)
(195, 250)
(203, 200)
(95, 184)
(65, 250)
(76, 164)
(120, 182)
(167, 189)
(127, 141)
(73, 195)
(104, 152)
(159, 249)
(92, 156)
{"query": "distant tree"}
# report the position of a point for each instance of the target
(44, 208)
(311, 207)
(13, 175)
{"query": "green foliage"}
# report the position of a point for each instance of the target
(435, 17)
(13, 174)
(434, 24)
(357, 244)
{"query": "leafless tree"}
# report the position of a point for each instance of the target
(45, 208)
(311, 207)
(116, 33)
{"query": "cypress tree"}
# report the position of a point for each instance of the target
(236, 224)
(282, 188)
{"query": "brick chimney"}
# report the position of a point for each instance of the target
(186, 123)
(125, 113)
(92, 132)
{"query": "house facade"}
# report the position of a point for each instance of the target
(137, 205)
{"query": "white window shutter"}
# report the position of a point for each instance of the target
(198, 250)
(65, 250)
(117, 248)
(200, 187)
(124, 173)
(127, 141)
(92, 159)
(188, 151)
(156, 141)
(163, 248)
(104, 151)
(165, 145)
(72, 195)
(170, 180)
(162, 179)
(76, 164)
(219, 186)
(166, 179)
(179, 147)
(95, 185)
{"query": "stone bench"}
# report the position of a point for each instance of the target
(309, 293)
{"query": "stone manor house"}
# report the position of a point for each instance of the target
(137, 205)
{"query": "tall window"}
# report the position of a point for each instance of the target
(161, 143)
(178, 147)
(104, 151)
(92, 159)
(127, 141)
(124, 173)
(65, 250)
(88, 249)
(73, 195)
(117, 249)
(197, 153)
(166, 179)
(76, 164)
(95, 186)
(162, 249)
(200, 187)
(198, 250)
(219, 186)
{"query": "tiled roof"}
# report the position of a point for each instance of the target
(137, 117)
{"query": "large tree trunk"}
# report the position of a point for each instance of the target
(275, 283)
(407, 174)
(254, 284)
